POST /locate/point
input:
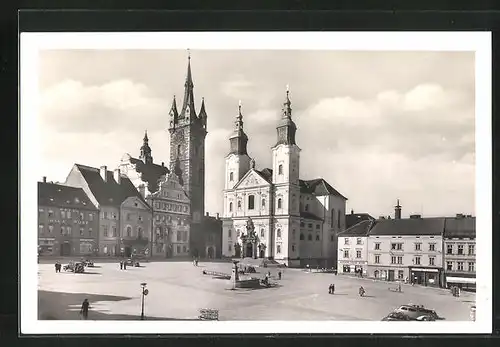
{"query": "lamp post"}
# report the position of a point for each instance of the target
(144, 293)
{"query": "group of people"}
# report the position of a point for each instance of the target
(455, 291)
(58, 266)
(123, 265)
(195, 261)
(331, 290)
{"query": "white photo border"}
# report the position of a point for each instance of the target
(32, 43)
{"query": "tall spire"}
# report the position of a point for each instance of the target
(238, 140)
(146, 150)
(188, 109)
(286, 127)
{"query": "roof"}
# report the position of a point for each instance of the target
(360, 229)
(108, 193)
(460, 227)
(58, 195)
(354, 218)
(408, 226)
(150, 173)
(309, 215)
(266, 174)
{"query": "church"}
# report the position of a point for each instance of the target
(271, 213)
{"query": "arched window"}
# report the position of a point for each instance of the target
(332, 217)
(139, 232)
(309, 237)
(279, 203)
(317, 237)
(338, 219)
(239, 204)
(301, 237)
(129, 231)
(263, 203)
(307, 207)
(262, 233)
(376, 274)
(231, 177)
(230, 207)
(278, 233)
(280, 169)
(178, 150)
(251, 202)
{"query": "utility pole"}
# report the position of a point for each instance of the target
(144, 293)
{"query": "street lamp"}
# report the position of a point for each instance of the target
(144, 293)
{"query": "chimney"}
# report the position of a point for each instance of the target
(415, 216)
(460, 215)
(142, 190)
(217, 215)
(117, 176)
(162, 164)
(397, 211)
(104, 173)
(44, 179)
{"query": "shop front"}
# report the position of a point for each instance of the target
(463, 281)
(429, 277)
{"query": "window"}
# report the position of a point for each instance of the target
(157, 217)
(393, 260)
(179, 236)
(129, 231)
(377, 246)
(105, 215)
(51, 213)
(293, 248)
(332, 218)
(358, 253)
(40, 228)
(449, 249)
(317, 226)
(346, 253)
(346, 240)
(301, 237)
(113, 231)
(377, 259)
(90, 231)
(309, 237)
(229, 233)
(239, 204)
(69, 231)
(81, 216)
(471, 267)
(302, 224)
(229, 248)
(332, 238)
(401, 274)
(279, 203)
(105, 230)
(432, 261)
(307, 207)
(263, 203)
(460, 266)
(184, 249)
(432, 247)
(278, 249)
(278, 233)
(471, 249)
(338, 219)
(449, 265)
(81, 231)
(251, 202)
(417, 260)
(397, 246)
(178, 154)
(51, 228)
(68, 214)
(317, 237)
(460, 250)
(230, 207)
(128, 214)
(400, 260)
(231, 177)
(262, 233)
(358, 240)
(418, 246)
(280, 169)
(310, 225)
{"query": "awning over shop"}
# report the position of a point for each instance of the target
(424, 270)
(461, 280)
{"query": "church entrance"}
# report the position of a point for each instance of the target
(249, 250)
(210, 253)
(262, 253)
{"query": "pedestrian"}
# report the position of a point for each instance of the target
(330, 289)
(333, 288)
(399, 287)
(84, 311)
(279, 275)
(55, 265)
(121, 264)
(196, 262)
(125, 265)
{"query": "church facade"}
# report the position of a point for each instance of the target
(272, 213)
(176, 194)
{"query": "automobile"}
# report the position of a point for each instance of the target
(88, 262)
(397, 316)
(417, 312)
(132, 262)
(74, 267)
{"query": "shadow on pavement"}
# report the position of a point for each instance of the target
(81, 273)
(66, 306)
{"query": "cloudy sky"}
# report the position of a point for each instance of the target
(376, 125)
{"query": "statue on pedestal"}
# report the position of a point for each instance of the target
(250, 228)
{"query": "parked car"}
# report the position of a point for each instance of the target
(397, 316)
(88, 262)
(418, 312)
(132, 262)
(74, 267)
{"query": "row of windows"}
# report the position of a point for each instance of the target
(171, 207)
(278, 235)
(65, 230)
(460, 249)
(450, 266)
(169, 219)
(399, 260)
(278, 248)
(399, 246)
(65, 214)
(280, 172)
(309, 225)
(359, 241)
(347, 253)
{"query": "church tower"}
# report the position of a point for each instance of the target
(286, 160)
(187, 149)
(237, 161)
(146, 150)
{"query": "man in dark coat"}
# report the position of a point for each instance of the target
(84, 311)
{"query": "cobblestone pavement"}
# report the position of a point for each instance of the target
(177, 290)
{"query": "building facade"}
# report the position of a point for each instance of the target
(68, 222)
(460, 251)
(272, 213)
(124, 215)
(353, 249)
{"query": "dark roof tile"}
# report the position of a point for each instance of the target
(460, 227)
(58, 195)
(318, 187)
(360, 229)
(354, 218)
(420, 226)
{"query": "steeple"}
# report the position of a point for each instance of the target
(174, 114)
(146, 150)
(188, 110)
(286, 127)
(238, 140)
(203, 114)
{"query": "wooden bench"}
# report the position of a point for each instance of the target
(208, 314)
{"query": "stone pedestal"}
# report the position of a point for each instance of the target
(234, 274)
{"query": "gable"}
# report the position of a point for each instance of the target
(134, 202)
(251, 179)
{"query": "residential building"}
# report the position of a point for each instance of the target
(460, 251)
(353, 249)
(352, 218)
(68, 222)
(212, 234)
(125, 217)
(272, 213)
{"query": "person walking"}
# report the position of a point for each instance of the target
(84, 311)
(333, 288)
(279, 275)
(125, 265)
(121, 264)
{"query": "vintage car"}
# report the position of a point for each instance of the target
(397, 316)
(89, 263)
(418, 312)
(132, 262)
(74, 267)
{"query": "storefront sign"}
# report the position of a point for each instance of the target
(465, 280)
(424, 270)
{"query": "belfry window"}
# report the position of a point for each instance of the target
(280, 169)
(263, 203)
(178, 150)
(278, 233)
(230, 207)
(251, 202)
(279, 203)
(230, 176)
